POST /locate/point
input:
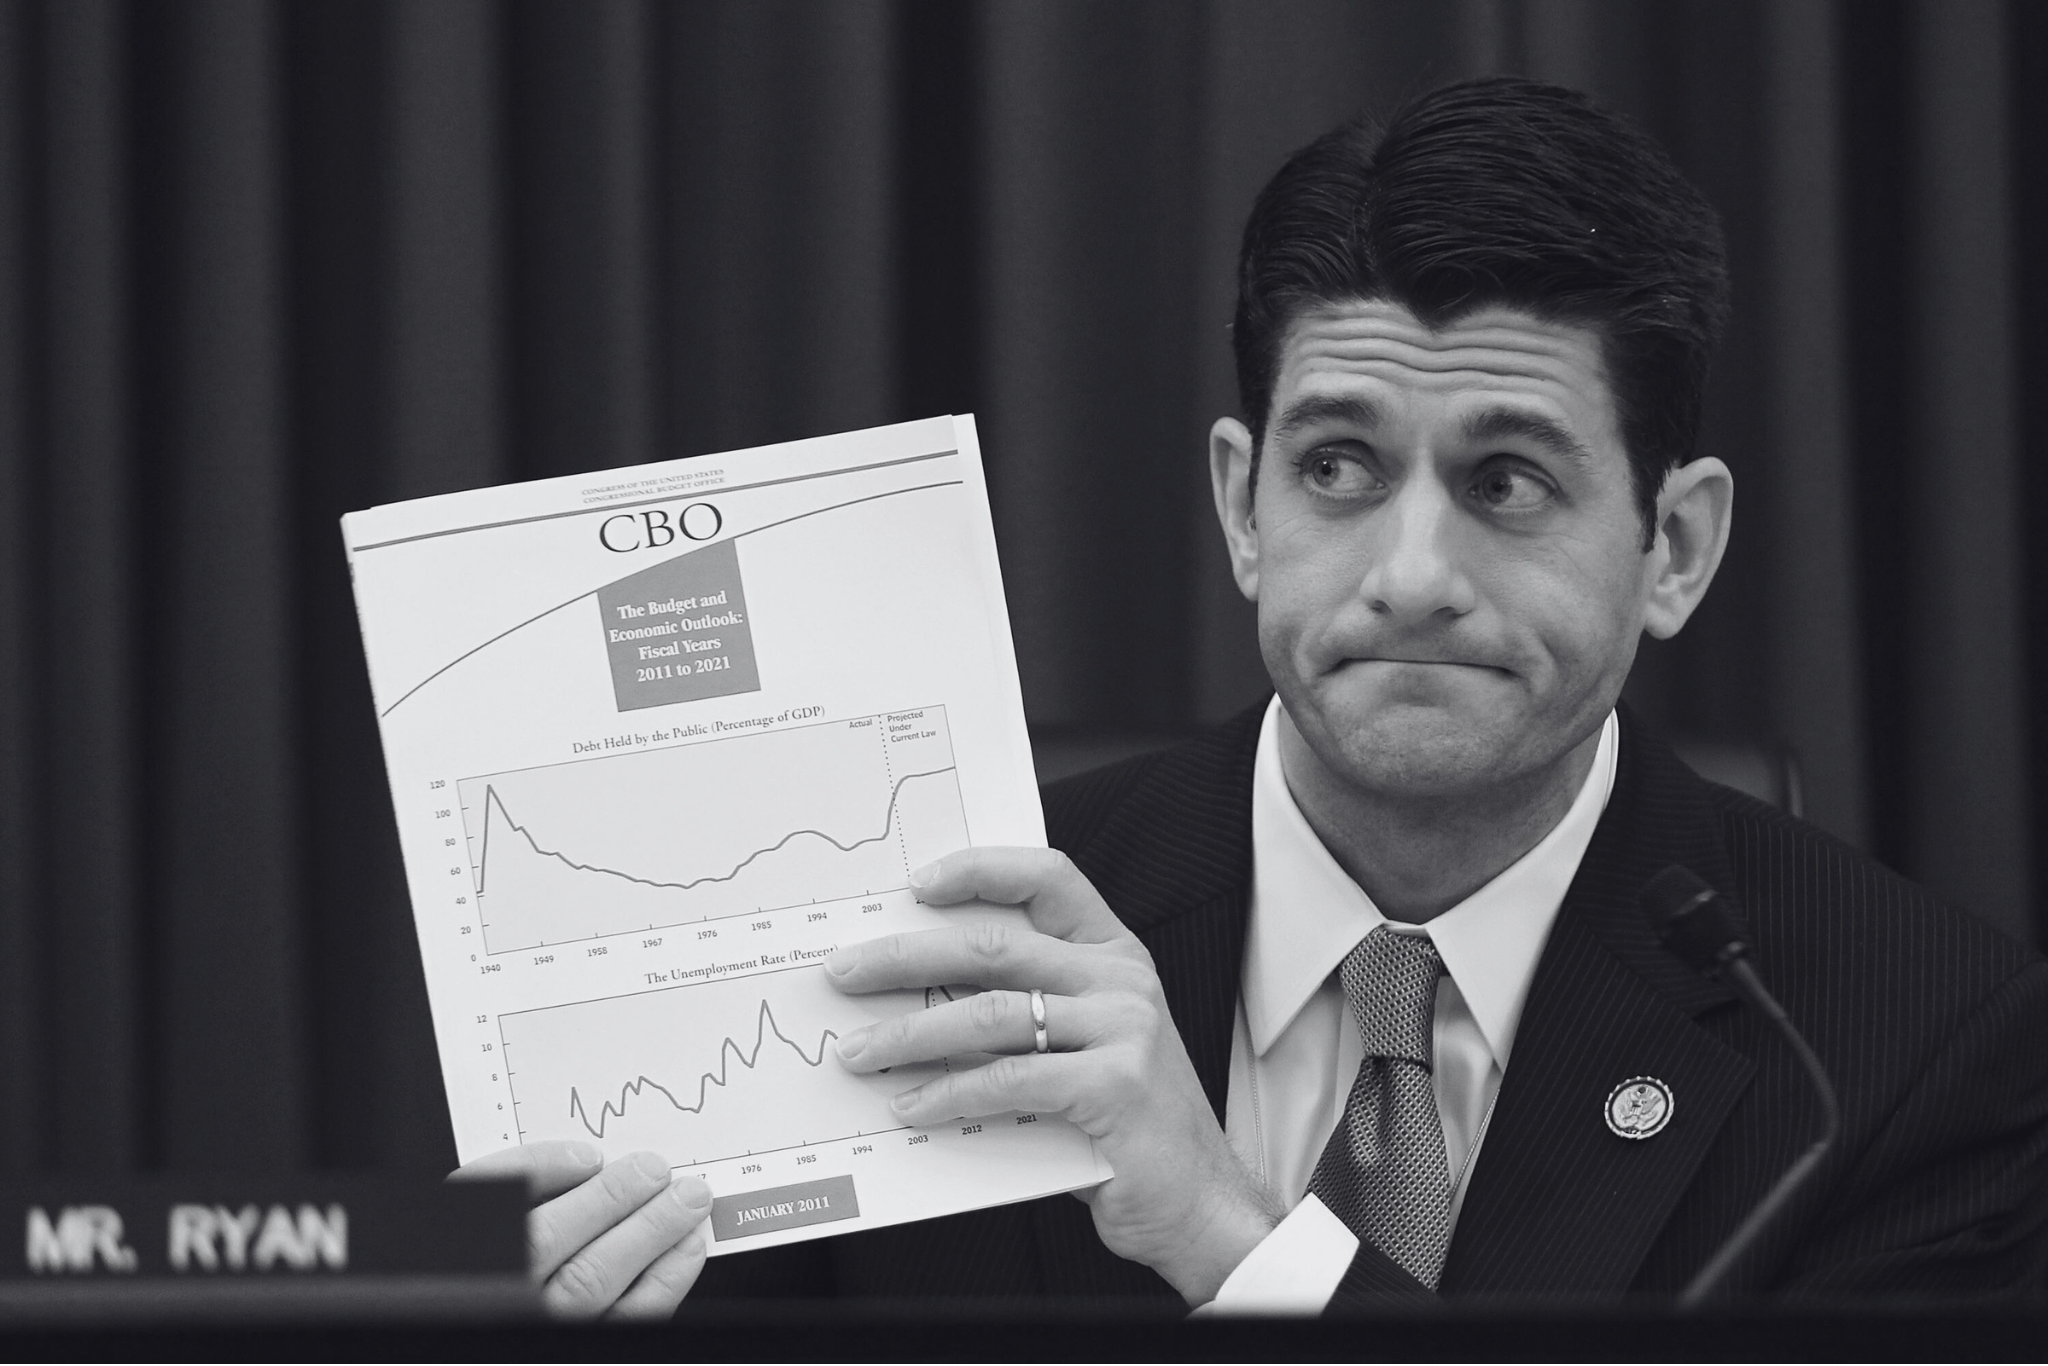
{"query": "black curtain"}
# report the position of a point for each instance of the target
(263, 262)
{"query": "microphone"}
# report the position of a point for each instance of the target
(1697, 926)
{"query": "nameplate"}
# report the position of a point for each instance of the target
(780, 1207)
(224, 1228)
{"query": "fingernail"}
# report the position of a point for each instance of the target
(901, 1104)
(585, 1154)
(852, 1045)
(651, 1165)
(921, 878)
(691, 1193)
(840, 963)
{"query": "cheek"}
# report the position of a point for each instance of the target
(1583, 604)
(1304, 581)
(1280, 623)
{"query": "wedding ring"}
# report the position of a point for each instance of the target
(1038, 1039)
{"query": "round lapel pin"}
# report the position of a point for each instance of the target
(1639, 1108)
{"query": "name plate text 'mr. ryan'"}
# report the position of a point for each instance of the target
(214, 1227)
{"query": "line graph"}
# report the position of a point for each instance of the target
(764, 1026)
(496, 804)
(703, 1072)
(704, 830)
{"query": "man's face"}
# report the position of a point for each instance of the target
(1449, 563)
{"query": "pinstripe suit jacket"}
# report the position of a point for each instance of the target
(1934, 1027)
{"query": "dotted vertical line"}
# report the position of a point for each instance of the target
(895, 797)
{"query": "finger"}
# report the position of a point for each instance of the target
(1029, 1082)
(1045, 882)
(666, 1280)
(600, 1272)
(991, 1022)
(986, 953)
(549, 1166)
(571, 1221)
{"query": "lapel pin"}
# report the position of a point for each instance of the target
(1639, 1108)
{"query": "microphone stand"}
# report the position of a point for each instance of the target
(1698, 928)
(1741, 976)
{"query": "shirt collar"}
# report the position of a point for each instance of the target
(1307, 913)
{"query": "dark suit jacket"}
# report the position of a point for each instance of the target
(1934, 1027)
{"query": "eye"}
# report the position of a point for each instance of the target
(1336, 472)
(1508, 488)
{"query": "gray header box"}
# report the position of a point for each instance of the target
(780, 1207)
(679, 631)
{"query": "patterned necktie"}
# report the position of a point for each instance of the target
(1384, 1172)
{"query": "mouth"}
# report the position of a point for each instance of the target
(1414, 662)
(1396, 680)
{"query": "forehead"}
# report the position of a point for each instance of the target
(1495, 358)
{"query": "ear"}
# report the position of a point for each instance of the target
(1693, 516)
(1230, 479)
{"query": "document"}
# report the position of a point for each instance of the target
(659, 739)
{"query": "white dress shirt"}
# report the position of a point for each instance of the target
(1295, 1050)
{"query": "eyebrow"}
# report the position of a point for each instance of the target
(1495, 424)
(1307, 412)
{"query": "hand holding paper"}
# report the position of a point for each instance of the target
(1180, 1201)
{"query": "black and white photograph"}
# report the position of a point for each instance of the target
(1040, 679)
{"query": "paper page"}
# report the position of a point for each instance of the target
(659, 739)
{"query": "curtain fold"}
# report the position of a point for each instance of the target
(265, 262)
(1093, 462)
(1968, 813)
(1808, 512)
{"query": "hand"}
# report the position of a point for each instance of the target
(617, 1239)
(1181, 1202)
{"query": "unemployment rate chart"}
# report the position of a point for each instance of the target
(659, 740)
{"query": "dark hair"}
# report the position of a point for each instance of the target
(1490, 192)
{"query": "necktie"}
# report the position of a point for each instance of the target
(1384, 1172)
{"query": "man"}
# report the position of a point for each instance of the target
(1354, 991)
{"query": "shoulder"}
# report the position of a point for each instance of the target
(1162, 827)
(1881, 975)
(1821, 911)
(1929, 1021)
(1818, 910)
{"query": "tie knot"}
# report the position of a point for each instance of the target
(1390, 983)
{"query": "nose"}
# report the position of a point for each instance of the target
(1416, 572)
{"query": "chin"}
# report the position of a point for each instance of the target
(1415, 751)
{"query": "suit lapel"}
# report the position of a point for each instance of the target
(1558, 1204)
